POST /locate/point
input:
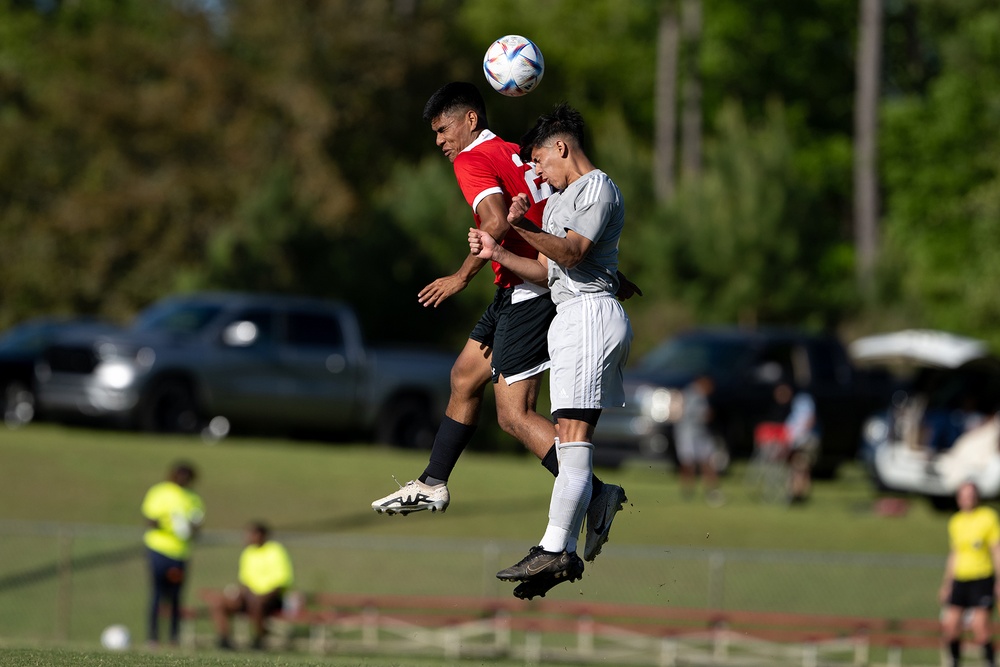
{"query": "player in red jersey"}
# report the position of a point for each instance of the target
(508, 345)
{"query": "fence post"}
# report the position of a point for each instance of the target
(716, 580)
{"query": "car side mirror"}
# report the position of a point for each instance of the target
(242, 333)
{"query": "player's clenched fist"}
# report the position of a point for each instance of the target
(519, 205)
(481, 244)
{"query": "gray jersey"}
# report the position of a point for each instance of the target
(592, 206)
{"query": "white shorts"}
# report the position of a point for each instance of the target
(589, 341)
(693, 448)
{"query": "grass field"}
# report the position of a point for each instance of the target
(51, 473)
(31, 657)
(93, 481)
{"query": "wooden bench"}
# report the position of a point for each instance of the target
(285, 620)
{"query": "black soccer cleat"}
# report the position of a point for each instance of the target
(540, 585)
(537, 563)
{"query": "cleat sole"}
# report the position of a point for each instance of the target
(532, 588)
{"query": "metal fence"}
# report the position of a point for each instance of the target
(67, 582)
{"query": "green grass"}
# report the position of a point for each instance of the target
(63, 590)
(50, 473)
(32, 657)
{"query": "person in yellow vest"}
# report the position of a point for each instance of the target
(970, 574)
(174, 514)
(265, 575)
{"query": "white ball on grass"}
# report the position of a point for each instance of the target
(115, 637)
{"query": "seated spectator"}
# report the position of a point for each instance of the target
(265, 574)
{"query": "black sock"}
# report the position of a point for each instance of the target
(449, 443)
(551, 463)
(955, 649)
(988, 654)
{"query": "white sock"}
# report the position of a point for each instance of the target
(570, 496)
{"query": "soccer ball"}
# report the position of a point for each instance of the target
(513, 65)
(115, 638)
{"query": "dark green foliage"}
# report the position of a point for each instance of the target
(150, 147)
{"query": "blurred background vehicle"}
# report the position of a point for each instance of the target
(746, 366)
(940, 427)
(20, 348)
(252, 362)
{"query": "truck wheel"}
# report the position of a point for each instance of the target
(170, 407)
(18, 404)
(406, 422)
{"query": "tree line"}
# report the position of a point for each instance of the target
(151, 147)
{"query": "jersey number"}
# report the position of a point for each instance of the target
(536, 187)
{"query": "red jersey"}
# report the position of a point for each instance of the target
(490, 165)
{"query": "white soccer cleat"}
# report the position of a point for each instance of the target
(414, 496)
(600, 513)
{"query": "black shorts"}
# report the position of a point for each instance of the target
(273, 603)
(973, 593)
(516, 332)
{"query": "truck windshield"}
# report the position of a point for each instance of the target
(178, 318)
(695, 356)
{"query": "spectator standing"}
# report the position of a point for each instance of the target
(695, 444)
(969, 582)
(174, 514)
(803, 442)
(265, 575)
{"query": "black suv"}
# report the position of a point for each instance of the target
(745, 366)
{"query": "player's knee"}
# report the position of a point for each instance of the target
(468, 381)
(510, 420)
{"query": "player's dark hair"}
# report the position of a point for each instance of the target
(260, 528)
(183, 469)
(456, 96)
(564, 121)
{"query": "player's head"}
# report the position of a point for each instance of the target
(783, 393)
(555, 145)
(564, 122)
(257, 532)
(456, 97)
(182, 473)
(967, 495)
(457, 114)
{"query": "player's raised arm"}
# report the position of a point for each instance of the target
(567, 251)
(484, 246)
(493, 217)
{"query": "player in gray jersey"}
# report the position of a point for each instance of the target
(592, 207)
(589, 338)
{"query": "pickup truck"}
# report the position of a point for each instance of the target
(209, 362)
(745, 366)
